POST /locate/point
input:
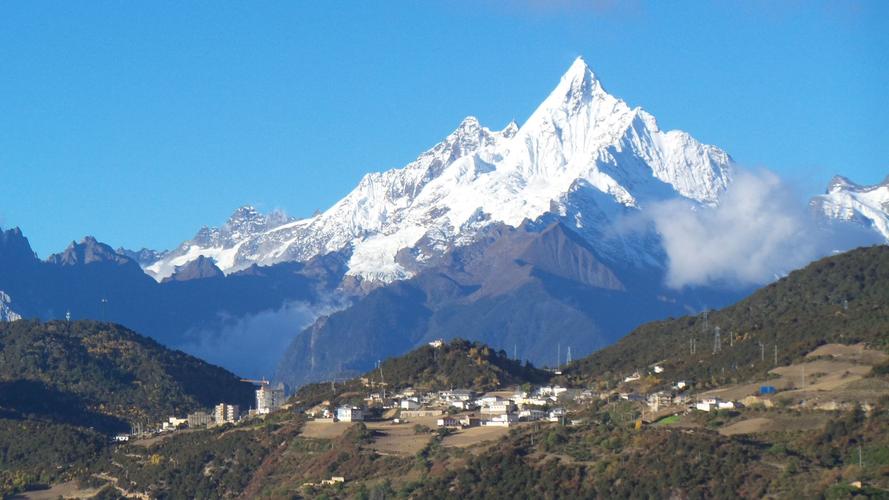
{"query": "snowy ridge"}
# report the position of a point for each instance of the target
(847, 201)
(220, 244)
(6, 313)
(583, 154)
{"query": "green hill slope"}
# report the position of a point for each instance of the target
(842, 299)
(102, 375)
(455, 364)
(65, 387)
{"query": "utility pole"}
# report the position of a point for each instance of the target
(569, 356)
(762, 351)
(731, 341)
(558, 355)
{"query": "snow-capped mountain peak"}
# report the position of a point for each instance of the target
(577, 85)
(847, 201)
(580, 136)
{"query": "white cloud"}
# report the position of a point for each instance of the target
(759, 231)
(252, 345)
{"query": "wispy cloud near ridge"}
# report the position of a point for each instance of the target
(759, 231)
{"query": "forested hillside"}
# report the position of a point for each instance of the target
(842, 299)
(64, 387)
(455, 364)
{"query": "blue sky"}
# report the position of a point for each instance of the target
(140, 122)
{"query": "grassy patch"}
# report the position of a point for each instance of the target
(672, 419)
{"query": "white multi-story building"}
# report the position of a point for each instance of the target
(553, 391)
(504, 420)
(499, 407)
(556, 414)
(269, 399)
(198, 419)
(409, 404)
(226, 413)
(349, 414)
(455, 395)
(532, 414)
(707, 404)
(658, 400)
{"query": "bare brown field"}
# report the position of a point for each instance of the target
(324, 430)
(472, 436)
(818, 378)
(62, 490)
(857, 353)
(147, 442)
(776, 423)
(821, 375)
(400, 439)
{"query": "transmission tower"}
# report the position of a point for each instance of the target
(717, 340)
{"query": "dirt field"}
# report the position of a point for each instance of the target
(749, 426)
(147, 442)
(821, 375)
(322, 430)
(474, 435)
(401, 439)
(63, 490)
(855, 353)
(848, 366)
(776, 423)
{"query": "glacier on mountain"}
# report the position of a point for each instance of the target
(583, 155)
(850, 202)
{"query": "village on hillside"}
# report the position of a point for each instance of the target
(814, 385)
